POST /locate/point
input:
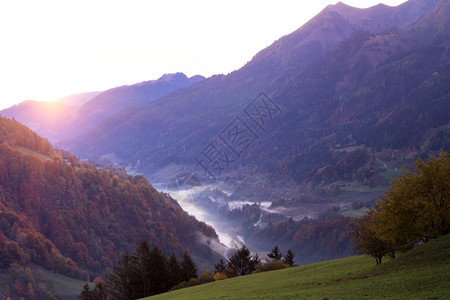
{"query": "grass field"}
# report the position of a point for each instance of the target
(355, 213)
(64, 287)
(422, 273)
(28, 151)
(390, 175)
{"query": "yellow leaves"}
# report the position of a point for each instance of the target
(220, 276)
(416, 207)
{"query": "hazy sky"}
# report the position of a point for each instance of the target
(50, 49)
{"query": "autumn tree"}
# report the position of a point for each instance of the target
(366, 239)
(15, 270)
(417, 206)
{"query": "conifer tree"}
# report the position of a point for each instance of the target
(188, 269)
(124, 280)
(174, 271)
(100, 291)
(275, 254)
(86, 293)
(242, 262)
(220, 267)
(153, 266)
(289, 258)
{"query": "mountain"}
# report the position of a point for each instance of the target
(57, 120)
(78, 99)
(77, 219)
(111, 101)
(350, 88)
(49, 119)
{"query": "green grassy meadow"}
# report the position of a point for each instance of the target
(64, 287)
(422, 273)
(28, 151)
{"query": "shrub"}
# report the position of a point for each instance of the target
(270, 266)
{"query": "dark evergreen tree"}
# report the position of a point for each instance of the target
(174, 271)
(86, 293)
(242, 262)
(289, 258)
(100, 292)
(144, 260)
(275, 254)
(188, 269)
(124, 281)
(220, 267)
(147, 272)
(153, 266)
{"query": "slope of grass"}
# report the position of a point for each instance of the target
(28, 151)
(355, 213)
(64, 287)
(422, 273)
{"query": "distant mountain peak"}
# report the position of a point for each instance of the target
(339, 7)
(173, 76)
(340, 4)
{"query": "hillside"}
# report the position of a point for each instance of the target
(75, 218)
(348, 88)
(73, 115)
(421, 273)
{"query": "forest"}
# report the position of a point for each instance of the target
(75, 218)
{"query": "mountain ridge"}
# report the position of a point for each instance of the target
(300, 72)
(57, 120)
(78, 99)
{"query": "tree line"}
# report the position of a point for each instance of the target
(243, 263)
(415, 209)
(147, 271)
